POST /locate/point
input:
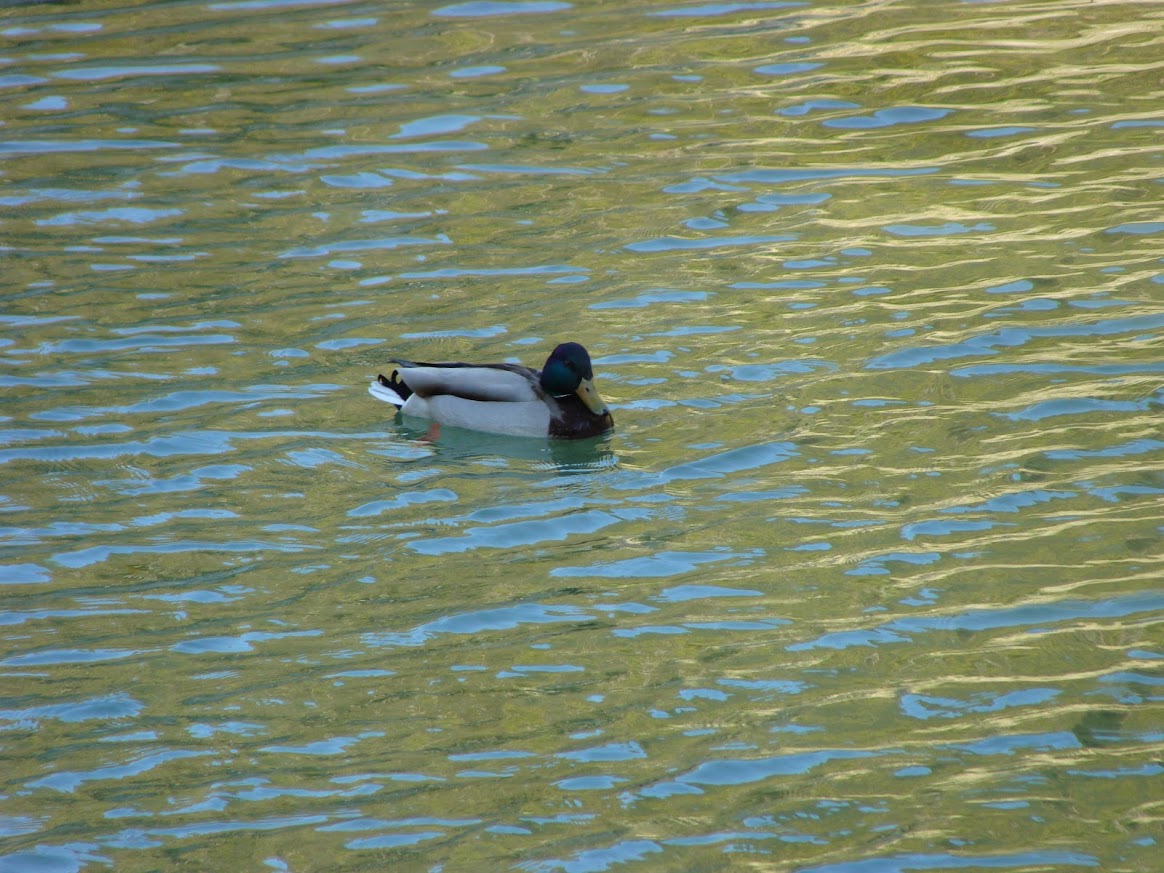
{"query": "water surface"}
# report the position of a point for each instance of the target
(867, 578)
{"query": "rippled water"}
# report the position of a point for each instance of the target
(867, 578)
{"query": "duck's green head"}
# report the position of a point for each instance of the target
(568, 371)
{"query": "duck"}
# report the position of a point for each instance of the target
(558, 401)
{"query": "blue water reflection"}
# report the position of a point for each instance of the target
(865, 578)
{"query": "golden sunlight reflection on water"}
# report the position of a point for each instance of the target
(865, 577)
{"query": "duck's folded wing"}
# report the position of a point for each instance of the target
(494, 384)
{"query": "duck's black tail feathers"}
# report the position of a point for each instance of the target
(390, 389)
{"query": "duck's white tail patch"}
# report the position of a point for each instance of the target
(383, 392)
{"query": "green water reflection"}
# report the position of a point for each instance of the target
(867, 576)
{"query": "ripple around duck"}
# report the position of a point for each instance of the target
(946, 861)
(87, 557)
(502, 618)
(1038, 618)
(524, 533)
(662, 564)
(715, 10)
(69, 781)
(491, 8)
(42, 147)
(1012, 337)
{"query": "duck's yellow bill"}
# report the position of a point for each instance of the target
(589, 395)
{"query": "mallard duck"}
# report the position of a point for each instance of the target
(559, 401)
